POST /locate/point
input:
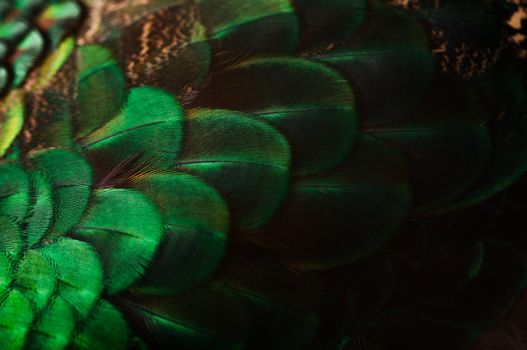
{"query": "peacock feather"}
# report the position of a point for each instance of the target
(263, 174)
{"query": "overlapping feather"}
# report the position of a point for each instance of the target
(268, 174)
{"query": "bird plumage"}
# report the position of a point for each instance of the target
(267, 174)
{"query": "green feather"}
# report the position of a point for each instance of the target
(28, 51)
(245, 159)
(16, 318)
(100, 89)
(54, 328)
(14, 192)
(80, 273)
(277, 193)
(241, 28)
(6, 272)
(105, 328)
(13, 30)
(70, 176)
(150, 116)
(41, 210)
(10, 238)
(64, 16)
(196, 220)
(36, 278)
(125, 228)
(310, 104)
(228, 15)
(27, 6)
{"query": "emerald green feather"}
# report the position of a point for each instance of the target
(105, 328)
(27, 6)
(312, 105)
(55, 327)
(245, 159)
(150, 116)
(16, 317)
(11, 240)
(79, 270)
(239, 28)
(196, 220)
(14, 192)
(64, 16)
(230, 14)
(28, 51)
(6, 272)
(41, 209)
(100, 89)
(13, 30)
(125, 228)
(36, 278)
(70, 176)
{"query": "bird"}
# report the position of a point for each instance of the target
(263, 174)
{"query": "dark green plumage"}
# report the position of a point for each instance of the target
(265, 174)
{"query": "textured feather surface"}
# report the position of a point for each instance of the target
(245, 159)
(267, 174)
(195, 221)
(125, 228)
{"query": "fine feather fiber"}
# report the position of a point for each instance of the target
(264, 174)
